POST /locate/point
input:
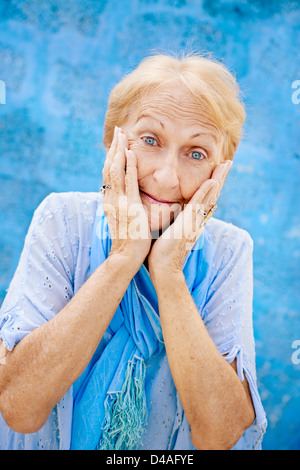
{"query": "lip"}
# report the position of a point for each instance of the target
(157, 200)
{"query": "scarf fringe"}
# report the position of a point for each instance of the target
(126, 410)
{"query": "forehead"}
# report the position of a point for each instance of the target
(174, 103)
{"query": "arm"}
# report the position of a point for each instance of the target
(44, 364)
(41, 368)
(217, 404)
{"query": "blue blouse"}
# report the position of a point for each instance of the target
(55, 263)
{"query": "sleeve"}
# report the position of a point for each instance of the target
(43, 282)
(227, 315)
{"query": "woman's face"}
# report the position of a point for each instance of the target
(177, 147)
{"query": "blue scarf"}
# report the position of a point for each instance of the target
(110, 409)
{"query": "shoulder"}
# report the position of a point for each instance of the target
(219, 231)
(227, 240)
(67, 214)
(70, 203)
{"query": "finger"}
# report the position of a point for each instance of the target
(200, 194)
(131, 178)
(109, 157)
(211, 197)
(221, 171)
(112, 150)
(106, 173)
(207, 191)
(195, 209)
(219, 174)
(117, 167)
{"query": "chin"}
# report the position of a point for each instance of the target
(159, 222)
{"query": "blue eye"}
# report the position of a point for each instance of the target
(150, 140)
(197, 155)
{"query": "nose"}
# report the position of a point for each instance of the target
(166, 174)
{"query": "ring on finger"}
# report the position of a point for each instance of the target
(202, 212)
(207, 215)
(104, 188)
(211, 211)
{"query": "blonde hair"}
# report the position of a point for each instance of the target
(209, 82)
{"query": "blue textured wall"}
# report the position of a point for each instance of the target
(59, 59)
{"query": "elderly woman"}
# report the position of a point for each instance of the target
(128, 323)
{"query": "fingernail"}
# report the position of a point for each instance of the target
(120, 137)
(211, 183)
(226, 166)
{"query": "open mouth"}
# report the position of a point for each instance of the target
(156, 200)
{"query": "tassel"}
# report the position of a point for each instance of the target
(126, 411)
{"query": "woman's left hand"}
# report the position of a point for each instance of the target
(170, 249)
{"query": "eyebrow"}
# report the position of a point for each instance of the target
(204, 133)
(142, 116)
(198, 134)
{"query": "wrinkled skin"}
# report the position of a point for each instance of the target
(172, 153)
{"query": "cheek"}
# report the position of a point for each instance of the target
(145, 159)
(191, 178)
(135, 145)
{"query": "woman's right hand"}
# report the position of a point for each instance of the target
(122, 205)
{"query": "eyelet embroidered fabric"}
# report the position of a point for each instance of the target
(54, 264)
